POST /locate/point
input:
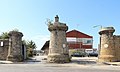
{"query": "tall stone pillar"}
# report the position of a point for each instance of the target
(107, 49)
(15, 46)
(58, 50)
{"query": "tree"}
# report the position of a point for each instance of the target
(48, 22)
(4, 35)
(31, 46)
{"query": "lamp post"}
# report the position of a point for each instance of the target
(98, 26)
(99, 48)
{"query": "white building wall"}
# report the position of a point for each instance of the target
(85, 41)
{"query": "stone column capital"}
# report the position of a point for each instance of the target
(105, 30)
(62, 27)
(15, 33)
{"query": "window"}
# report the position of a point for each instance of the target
(89, 41)
(64, 45)
(1, 43)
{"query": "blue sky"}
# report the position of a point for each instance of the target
(29, 17)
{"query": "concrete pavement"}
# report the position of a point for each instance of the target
(112, 63)
(5, 62)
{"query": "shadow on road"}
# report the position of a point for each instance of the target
(84, 61)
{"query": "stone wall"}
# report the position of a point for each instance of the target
(109, 45)
(12, 49)
(117, 47)
(4, 45)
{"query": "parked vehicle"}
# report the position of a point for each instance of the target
(92, 54)
(78, 54)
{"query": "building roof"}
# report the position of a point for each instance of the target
(77, 34)
(73, 33)
(46, 45)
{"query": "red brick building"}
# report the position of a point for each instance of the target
(79, 40)
(76, 40)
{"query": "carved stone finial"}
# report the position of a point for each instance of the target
(56, 18)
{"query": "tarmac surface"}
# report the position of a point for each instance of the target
(74, 61)
(39, 64)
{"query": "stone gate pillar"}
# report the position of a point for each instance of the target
(58, 50)
(15, 46)
(107, 49)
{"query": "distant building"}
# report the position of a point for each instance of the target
(76, 40)
(45, 47)
(79, 40)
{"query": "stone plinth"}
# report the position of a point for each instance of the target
(107, 49)
(15, 46)
(58, 50)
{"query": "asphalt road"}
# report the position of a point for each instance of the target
(55, 68)
(77, 65)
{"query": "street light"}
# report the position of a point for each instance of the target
(100, 38)
(97, 26)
